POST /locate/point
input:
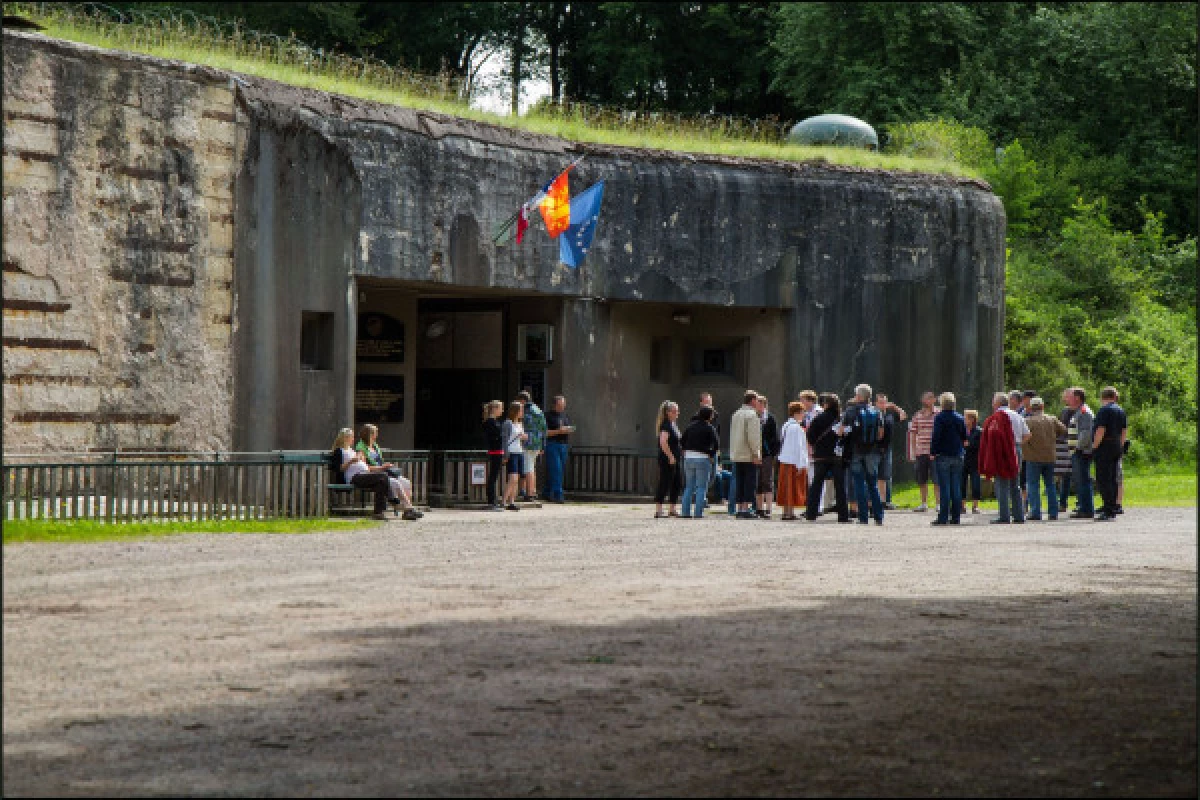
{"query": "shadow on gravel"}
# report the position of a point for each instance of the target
(1082, 695)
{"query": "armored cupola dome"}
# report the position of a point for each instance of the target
(834, 129)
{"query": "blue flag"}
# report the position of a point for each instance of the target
(574, 242)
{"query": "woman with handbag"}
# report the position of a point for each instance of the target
(827, 458)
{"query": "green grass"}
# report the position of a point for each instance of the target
(695, 136)
(20, 531)
(1145, 487)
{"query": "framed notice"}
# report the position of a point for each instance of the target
(378, 399)
(535, 343)
(478, 473)
(380, 338)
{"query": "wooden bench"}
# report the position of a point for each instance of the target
(346, 498)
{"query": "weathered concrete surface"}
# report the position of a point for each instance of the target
(118, 250)
(889, 278)
(584, 651)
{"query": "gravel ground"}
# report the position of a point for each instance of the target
(586, 650)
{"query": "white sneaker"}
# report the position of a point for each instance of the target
(921, 507)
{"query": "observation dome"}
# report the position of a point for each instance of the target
(838, 130)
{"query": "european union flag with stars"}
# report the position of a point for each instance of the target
(574, 242)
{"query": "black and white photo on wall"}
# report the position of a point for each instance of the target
(535, 342)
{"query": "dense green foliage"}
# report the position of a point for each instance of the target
(1083, 116)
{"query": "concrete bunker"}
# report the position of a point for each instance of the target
(342, 265)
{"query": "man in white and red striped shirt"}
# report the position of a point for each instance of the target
(920, 435)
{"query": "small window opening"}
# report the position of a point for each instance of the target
(316, 340)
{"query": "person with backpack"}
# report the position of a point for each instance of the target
(535, 425)
(862, 430)
(946, 449)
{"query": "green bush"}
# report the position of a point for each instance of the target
(1159, 436)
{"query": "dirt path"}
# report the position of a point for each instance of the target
(591, 650)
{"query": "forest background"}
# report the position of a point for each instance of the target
(1082, 116)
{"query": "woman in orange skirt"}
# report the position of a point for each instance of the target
(793, 462)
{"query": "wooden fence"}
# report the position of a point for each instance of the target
(605, 470)
(124, 487)
(589, 470)
(182, 486)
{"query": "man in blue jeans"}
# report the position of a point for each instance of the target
(1044, 431)
(946, 449)
(558, 434)
(865, 426)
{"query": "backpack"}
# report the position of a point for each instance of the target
(870, 425)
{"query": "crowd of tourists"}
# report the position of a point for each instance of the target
(822, 459)
(822, 450)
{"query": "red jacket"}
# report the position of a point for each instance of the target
(998, 447)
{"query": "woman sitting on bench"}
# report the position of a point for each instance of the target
(353, 470)
(368, 448)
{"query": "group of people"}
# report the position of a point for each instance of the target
(516, 438)
(822, 449)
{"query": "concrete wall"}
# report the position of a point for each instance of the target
(299, 203)
(892, 279)
(118, 259)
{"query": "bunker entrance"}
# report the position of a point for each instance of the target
(426, 360)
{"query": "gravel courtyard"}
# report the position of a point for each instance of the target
(589, 649)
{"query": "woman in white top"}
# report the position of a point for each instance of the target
(793, 462)
(353, 468)
(514, 437)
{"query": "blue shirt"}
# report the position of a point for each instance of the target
(949, 431)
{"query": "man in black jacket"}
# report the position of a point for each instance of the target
(770, 452)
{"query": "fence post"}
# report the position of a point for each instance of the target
(213, 508)
(112, 485)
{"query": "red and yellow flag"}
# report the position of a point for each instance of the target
(556, 206)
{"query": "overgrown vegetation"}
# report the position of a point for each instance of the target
(288, 61)
(1087, 303)
(36, 530)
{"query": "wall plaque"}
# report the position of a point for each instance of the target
(378, 399)
(380, 338)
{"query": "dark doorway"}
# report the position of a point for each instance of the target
(460, 365)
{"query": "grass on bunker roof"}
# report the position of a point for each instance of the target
(698, 137)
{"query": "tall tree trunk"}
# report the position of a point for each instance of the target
(518, 54)
(554, 34)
